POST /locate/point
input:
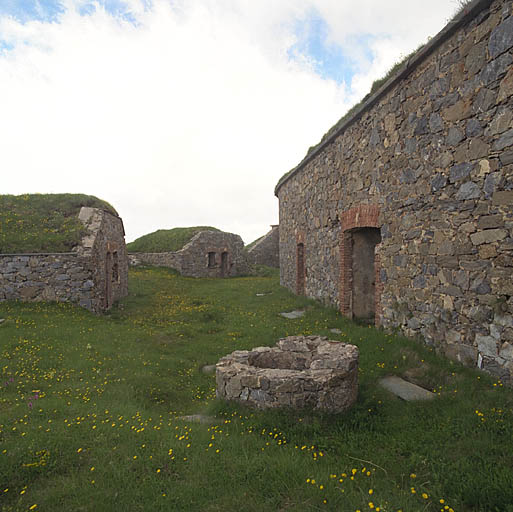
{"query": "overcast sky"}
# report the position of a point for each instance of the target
(187, 112)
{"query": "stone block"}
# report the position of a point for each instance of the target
(488, 236)
(463, 354)
(503, 198)
(501, 38)
(486, 345)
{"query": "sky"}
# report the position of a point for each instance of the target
(187, 112)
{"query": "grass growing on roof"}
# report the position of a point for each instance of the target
(90, 412)
(35, 223)
(166, 240)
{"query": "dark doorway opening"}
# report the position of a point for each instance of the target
(364, 273)
(300, 275)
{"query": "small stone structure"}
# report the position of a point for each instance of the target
(403, 213)
(301, 371)
(94, 275)
(266, 251)
(208, 254)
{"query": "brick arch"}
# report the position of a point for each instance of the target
(361, 216)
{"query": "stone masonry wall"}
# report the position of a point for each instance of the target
(432, 154)
(46, 277)
(267, 250)
(193, 259)
(157, 259)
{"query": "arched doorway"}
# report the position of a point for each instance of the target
(360, 265)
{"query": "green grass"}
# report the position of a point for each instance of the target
(35, 223)
(90, 412)
(166, 240)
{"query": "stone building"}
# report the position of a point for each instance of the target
(403, 213)
(265, 250)
(94, 274)
(207, 254)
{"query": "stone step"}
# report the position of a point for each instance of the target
(292, 315)
(405, 390)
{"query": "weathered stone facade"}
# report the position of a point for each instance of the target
(420, 175)
(94, 276)
(208, 254)
(301, 371)
(267, 250)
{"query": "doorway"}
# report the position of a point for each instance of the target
(364, 241)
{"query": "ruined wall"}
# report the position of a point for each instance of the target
(157, 259)
(105, 246)
(429, 160)
(88, 276)
(194, 260)
(267, 250)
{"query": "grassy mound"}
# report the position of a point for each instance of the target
(166, 240)
(35, 223)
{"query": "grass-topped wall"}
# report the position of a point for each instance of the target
(43, 223)
(166, 240)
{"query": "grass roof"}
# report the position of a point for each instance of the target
(39, 223)
(253, 243)
(166, 240)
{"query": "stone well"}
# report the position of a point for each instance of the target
(301, 371)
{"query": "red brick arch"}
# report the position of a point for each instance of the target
(361, 216)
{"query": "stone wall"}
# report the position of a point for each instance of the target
(428, 160)
(267, 250)
(52, 277)
(157, 259)
(94, 276)
(208, 254)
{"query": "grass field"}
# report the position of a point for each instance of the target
(90, 412)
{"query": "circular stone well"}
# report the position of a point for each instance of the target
(301, 371)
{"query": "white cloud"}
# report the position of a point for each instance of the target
(187, 117)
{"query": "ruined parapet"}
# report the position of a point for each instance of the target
(301, 371)
(266, 250)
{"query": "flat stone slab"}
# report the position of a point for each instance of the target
(198, 418)
(2, 320)
(208, 369)
(336, 331)
(292, 315)
(406, 390)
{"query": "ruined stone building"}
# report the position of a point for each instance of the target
(404, 212)
(207, 254)
(92, 273)
(265, 250)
